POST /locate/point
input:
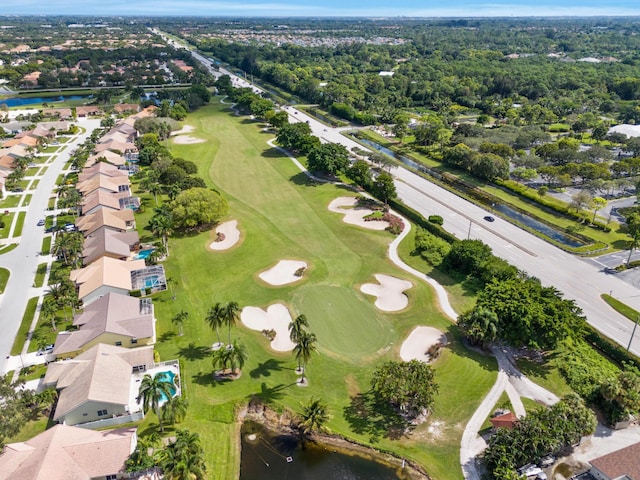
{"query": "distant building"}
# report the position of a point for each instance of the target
(623, 464)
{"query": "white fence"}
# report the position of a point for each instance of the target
(112, 422)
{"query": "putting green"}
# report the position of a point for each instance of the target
(346, 324)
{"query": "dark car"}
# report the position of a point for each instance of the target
(489, 218)
(40, 222)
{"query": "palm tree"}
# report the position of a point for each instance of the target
(215, 320)
(179, 319)
(230, 316)
(152, 390)
(161, 225)
(305, 346)
(183, 459)
(237, 357)
(314, 416)
(175, 410)
(296, 327)
(49, 310)
(220, 359)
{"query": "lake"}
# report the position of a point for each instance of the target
(20, 101)
(272, 456)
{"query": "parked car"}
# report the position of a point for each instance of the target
(41, 222)
(489, 218)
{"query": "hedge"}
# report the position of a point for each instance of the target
(419, 220)
(610, 348)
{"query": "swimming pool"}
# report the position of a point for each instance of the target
(143, 254)
(170, 377)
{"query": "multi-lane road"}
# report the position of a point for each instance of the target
(579, 279)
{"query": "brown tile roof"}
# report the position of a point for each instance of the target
(625, 461)
(101, 374)
(102, 168)
(100, 199)
(110, 243)
(105, 271)
(88, 110)
(114, 313)
(126, 107)
(112, 157)
(506, 420)
(103, 182)
(113, 219)
(68, 453)
(115, 145)
(60, 112)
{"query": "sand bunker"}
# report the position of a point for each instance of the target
(355, 216)
(389, 292)
(231, 235)
(186, 140)
(277, 317)
(183, 130)
(283, 273)
(418, 343)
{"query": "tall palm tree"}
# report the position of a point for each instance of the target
(314, 416)
(161, 225)
(49, 310)
(237, 357)
(230, 316)
(179, 319)
(152, 390)
(175, 410)
(296, 327)
(305, 346)
(220, 359)
(183, 459)
(215, 319)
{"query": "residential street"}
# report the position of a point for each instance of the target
(23, 261)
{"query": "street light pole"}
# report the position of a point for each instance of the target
(635, 325)
(469, 232)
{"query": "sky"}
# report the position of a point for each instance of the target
(328, 8)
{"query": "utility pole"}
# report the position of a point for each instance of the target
(635, 325)
(469, 232)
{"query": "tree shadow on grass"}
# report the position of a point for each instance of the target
(208, 379)
(194, 352)
(368, 415)
(166, 336)
(273, 153)
(303, 180)
(264, 369)
(269, 394)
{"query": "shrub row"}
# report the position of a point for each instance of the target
(419, 220)
(610, 348)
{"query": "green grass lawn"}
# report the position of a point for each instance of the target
(10, 201)
(21, 337)
(34, 184)
(40, 273)
(283, 215)
(19, 224)
(46, 245)
(545, 374)
(4, 279)
(622, 308)
(5, 225)
(8, 248)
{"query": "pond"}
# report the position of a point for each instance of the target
(19, 101)
(272, 456)
(505, 210)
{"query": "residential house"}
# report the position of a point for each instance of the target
(103, 276)
(118, 220)
(100, 200)
(107, 156)
(61, 113)
(64, 452)
(109, 243)
(114, 319)
(114, 185)
(623, 464)
(126, 108)
(505, 420)
(88, 111)
(97, 384)
(102, 168)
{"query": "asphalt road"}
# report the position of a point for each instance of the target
(22, 262)
(578, 279)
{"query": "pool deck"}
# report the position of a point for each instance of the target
(136, 378)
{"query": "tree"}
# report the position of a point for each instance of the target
(179, 319)
(175, 410)
(480, 326)
(580, 200)
(237, 357)
(633, 228)
(198, 206)
(161, 224)
(597, 203)
(183, 459)
(331, 158)
(315, 415)
(305, 346)
(14, 412)
(296, 327)
(384, 188)
(215, 319)
(360, 174)
(230, 316)
(408, 386)
(49, 310)
(152, 390)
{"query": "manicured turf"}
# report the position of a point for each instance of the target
(4, 278)
(19, 224)
(10, 201)
(282, 215)
(46, 245)
(40, 273)
(21, 337)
